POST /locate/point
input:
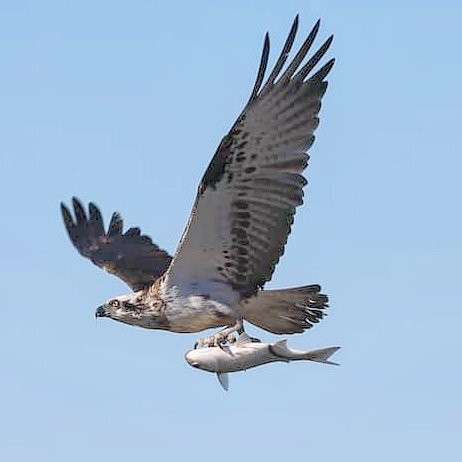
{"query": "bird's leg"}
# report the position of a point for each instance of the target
(221, 337)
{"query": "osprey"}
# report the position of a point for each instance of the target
(239, 224)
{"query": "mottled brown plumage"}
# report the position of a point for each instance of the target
(131, 256)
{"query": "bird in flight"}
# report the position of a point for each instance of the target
(239, 224)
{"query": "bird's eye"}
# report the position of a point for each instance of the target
(114, 303)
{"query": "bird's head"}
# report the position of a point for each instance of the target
(125, 308)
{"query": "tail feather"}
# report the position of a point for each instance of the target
(285, 311)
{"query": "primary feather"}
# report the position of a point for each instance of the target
(131, 256)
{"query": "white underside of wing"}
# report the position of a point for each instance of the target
(196, 305)
(195, 269)
(249, 193)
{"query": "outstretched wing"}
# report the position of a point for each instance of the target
(131, 256)
(246, 200)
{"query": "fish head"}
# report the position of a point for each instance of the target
(205, 359)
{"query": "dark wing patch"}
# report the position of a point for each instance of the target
(131, 256)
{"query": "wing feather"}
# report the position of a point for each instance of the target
(132, 257)
(247, 198)
(283, 56)
(261, 70)
(300, 56)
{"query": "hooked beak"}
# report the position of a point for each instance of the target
(101, 312)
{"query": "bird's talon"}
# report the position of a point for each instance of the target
(221, 338)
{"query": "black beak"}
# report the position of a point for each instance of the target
(100, 312)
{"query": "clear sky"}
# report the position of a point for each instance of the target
(123, 103)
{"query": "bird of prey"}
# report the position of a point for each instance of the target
(239, 224)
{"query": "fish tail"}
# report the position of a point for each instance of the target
(322, 355)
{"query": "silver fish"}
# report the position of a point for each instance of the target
(245, 354)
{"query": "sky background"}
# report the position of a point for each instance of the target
(124, 103)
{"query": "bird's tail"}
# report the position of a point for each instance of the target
(285, 311)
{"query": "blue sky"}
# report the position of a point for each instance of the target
(123, 103)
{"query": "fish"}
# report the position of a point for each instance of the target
(246, 353)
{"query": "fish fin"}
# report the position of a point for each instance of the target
(223, 378)
(243, 339)
(226, 350)
(280, 350)
(322, 355)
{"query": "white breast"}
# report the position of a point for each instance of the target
(193, 313)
